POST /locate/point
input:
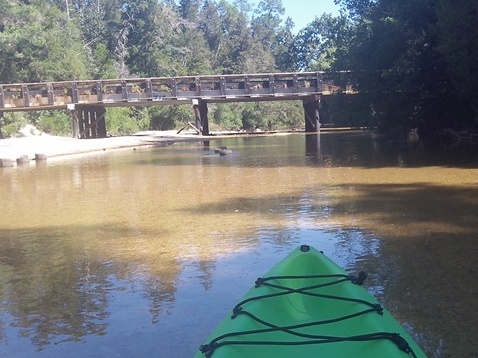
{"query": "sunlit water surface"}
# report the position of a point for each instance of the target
(140, 253)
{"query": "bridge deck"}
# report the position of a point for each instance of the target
(166, 90)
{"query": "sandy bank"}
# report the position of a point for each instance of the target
(54, 147)
(11, 149)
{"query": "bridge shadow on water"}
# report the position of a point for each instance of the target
(328, 149)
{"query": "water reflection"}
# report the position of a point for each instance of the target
(312, 148)
(141, 252)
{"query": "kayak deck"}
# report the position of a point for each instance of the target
(307, 305)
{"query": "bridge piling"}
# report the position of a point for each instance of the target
(75, 127)
(88, 121)
(311, 112)
(1, 117)
(200, 112)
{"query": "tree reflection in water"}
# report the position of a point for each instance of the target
(143, 252)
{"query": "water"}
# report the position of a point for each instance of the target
(142, 252)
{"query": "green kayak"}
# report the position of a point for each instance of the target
(307, 306)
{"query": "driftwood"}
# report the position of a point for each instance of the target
(194, 127)
(179, 131)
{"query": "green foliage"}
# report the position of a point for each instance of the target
(55, 123)
(408, 60)
(12, 122)
(126, 120)
(318, 46)
(228, 116)
(286, 115)
(105, 64)
(346, 111)
(414, 61)
(170, 117)
(457, 34)
(251, 118)
(39, 44)
(262, 115)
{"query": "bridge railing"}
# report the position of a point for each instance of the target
(148, 91)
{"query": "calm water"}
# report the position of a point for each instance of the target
(142, 252)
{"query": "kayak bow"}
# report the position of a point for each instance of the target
(308, 306)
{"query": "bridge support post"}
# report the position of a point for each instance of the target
(200, 112)
(75, 128)
(1, 117)
(311, 111)
(89, 122)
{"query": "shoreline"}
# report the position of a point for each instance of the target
(19, 151)
(22, 150)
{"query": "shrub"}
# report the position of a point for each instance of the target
(121, 121)
(55, 123)
(12, 122)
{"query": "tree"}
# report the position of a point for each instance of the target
(228, 116)
(394, 56)
(39, 44)
(190, 9)
(268, 35)
(98, 21)
(169, 117)
(321, 44)
(143, 28)
(229, 41)
(458, 44)
(284, 57)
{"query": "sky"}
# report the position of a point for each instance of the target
(302, 12)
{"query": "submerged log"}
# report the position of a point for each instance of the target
(218, 149)
(222, 151)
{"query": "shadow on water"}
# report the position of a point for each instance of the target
(154, 262)
(353, 149)
(362, 150)
(404, 205)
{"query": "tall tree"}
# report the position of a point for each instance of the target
(229, 40)
(458, 43)
(142, 30)
(267, 34)
(38, 44)
(192, 49)
(393, 53)
(190, 9)
(95, 19)
(321, 44)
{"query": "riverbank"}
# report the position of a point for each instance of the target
(22, 150)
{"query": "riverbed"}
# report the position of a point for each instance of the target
(142, 252)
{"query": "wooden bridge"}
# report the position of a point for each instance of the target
(87, 100)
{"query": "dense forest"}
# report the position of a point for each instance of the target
(413, 61)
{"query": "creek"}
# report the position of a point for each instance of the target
(142, 252)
